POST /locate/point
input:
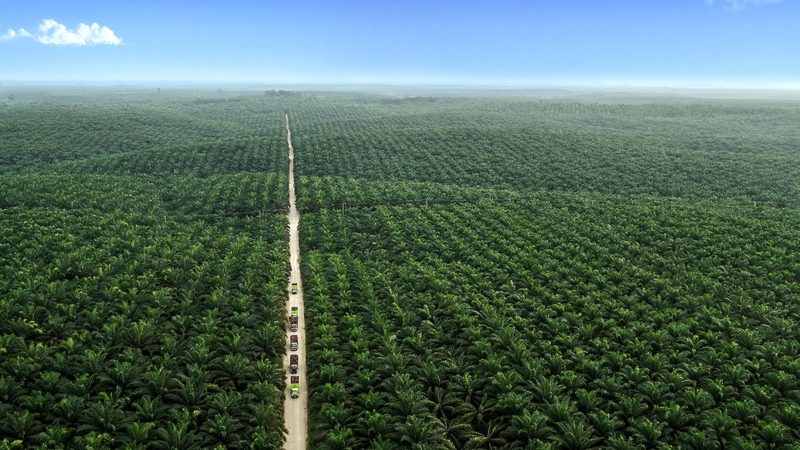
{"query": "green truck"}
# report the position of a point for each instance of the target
(294, 318)
(295, 386)
(294, 288)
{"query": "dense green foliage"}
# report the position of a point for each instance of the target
(523, 274)
(726, 150)
(528, 325)
(142, 274)
(500, 270)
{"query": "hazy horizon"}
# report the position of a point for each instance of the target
(266, 84)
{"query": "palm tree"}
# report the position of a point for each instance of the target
(93, 440)
(677, 418)
(631, 406)
(330, 393)
(772, 433)
(789, 415)
(465, 386)
(188, 391)
(698, 399)
(422, 430)
(528, 426)
(506, 382)
(444, 403)
(493, 438)
(338, 438)
(231, 369)
(177, 435)
(154, 382)
(369, 400)
(741, 443)
(48, 382)
(648, 431)
(335, 414)
(21, 426)
(94, 361)
(698, 440)
(105, 416)
(267, 415)
(575, 434)
(373, 425)
(330, 373)
(621, 442)
(588, 400)
(122, 375)
(721, 425)
(223, 430)
(139, 432)
(150, 409)
(604, 423)
(55, 436)
(141, 335)
(70, 409)
(545, 388)
(407, 402)
(560, 409)
(269, 339)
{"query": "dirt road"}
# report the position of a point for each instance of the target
(295, 410)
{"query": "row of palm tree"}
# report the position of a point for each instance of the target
(125, 330)
(699, 151)
(142, 272)
(214, 196)
(458, 326)
(221, 156)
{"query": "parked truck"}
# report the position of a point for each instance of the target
(294, 288)
(294, 363)
(293, 343)
(295, 386)
(293, 318)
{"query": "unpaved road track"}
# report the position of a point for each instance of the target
(295, 410)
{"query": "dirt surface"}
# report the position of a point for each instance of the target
(295, 410)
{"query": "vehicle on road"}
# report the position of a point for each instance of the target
(293, 343)
(294, 288)
(294, 363)
(295, 386)
(294, 317)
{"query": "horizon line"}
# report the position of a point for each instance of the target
(599, 85)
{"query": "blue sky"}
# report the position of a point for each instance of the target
(555, 42)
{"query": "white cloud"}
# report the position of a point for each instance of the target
(738, 5)
(54, 33)
(11, 34)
